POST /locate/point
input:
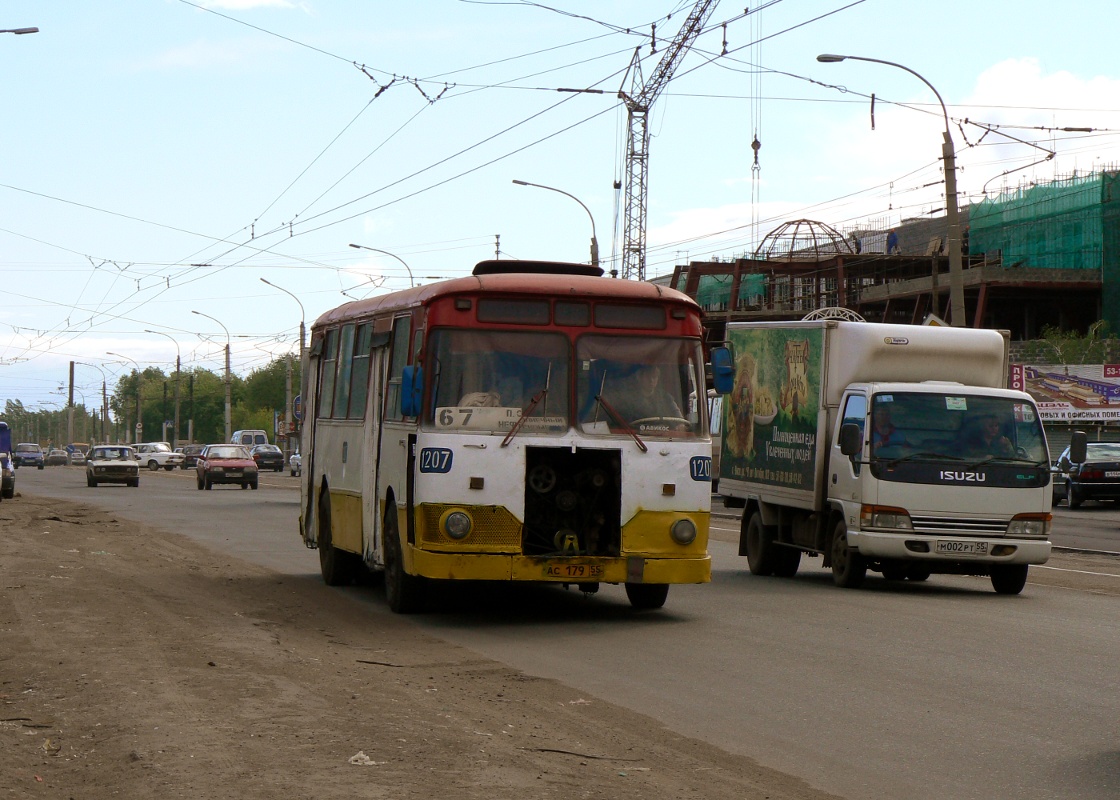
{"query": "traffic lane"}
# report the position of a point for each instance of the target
(261, 526)
(1094, 526)
(918, 690)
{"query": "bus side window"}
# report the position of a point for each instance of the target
(397, 360)
(327, 365)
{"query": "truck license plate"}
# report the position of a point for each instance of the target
(946, 548)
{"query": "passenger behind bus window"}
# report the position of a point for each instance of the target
(642, 397)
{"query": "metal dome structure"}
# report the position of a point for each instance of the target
(834, 312)
(804, 240)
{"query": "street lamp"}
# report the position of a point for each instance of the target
(229, 430)
(302, 368)
(594, 241)
(411, 282)
(20, 31)
(139, 424)
(178, 365)
(956, 276)
(104, 398)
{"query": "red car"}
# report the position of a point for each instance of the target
(225, 463)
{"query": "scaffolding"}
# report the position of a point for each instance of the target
(1056, 225)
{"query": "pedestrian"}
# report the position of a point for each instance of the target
(892, 242)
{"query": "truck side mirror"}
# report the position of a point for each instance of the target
(851, 439)
(412, 390)
(723, 371)
(1078, 447)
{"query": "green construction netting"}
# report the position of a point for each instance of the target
(1057, 225)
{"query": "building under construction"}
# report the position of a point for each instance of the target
(1045, 255)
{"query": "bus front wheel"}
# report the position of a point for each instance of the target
(647, 595)
(403, 592)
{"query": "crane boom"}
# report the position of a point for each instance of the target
(638, 102)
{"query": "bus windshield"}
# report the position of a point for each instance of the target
(486, 381)
(649, 385)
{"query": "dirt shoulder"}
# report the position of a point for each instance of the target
(135, 663)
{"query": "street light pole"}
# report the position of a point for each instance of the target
(20, 31)
(178, 366)
(952, 218)
(302, 331)
(139, 424)
(104, 399)
(411, 282)
(229, 429)
(594, 240)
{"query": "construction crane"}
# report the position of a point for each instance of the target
(638, 102)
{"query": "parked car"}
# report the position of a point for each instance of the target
(57, 458)
(1097, 478)
(268, 456)
(7, 476)
(295, 464)
(249, 438)
(154, 455)
(226, 463)
(190, 455)
(1058, 482)
(112, 464)
(28, 454)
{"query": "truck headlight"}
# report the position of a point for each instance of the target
(1029, 525)
(885, 517)
(683, 531)
(456, 524)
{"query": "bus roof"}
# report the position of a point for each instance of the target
(524, 283)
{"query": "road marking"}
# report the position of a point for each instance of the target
(1078, 571)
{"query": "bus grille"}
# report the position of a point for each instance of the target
(959, 526)
(495, 528)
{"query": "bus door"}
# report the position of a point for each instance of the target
(371, 469)
(397, 433)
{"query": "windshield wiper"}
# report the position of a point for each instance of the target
(528, 409)
(914, 456)
(613, 414)
(1008, 460)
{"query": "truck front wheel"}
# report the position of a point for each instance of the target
(1009, 578)
(848, 567)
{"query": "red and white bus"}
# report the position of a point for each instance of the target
(532, 422)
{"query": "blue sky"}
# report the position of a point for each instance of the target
(161, 156)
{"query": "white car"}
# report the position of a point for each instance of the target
(295, 464)
(112, 464)
(155, 455)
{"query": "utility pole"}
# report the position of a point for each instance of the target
(70, 409)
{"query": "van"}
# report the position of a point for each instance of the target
(249, 438)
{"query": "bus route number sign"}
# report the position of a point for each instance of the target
(435, 459)
(700, 468)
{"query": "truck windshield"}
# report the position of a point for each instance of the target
(971, 429)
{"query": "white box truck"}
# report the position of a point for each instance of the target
(891, 448)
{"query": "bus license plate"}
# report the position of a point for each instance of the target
(962, 548)
(575, 572)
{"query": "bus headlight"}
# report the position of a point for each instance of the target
(1029, 525)
(683, 531)
(456, 524)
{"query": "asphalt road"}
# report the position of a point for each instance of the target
(941, 689)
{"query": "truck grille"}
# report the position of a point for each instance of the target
(959, 526)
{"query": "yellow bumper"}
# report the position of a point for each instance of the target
(576, 569)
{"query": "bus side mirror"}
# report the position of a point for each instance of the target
(723, 371)
(851, 439)
(412, 390)
(1078, 447)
